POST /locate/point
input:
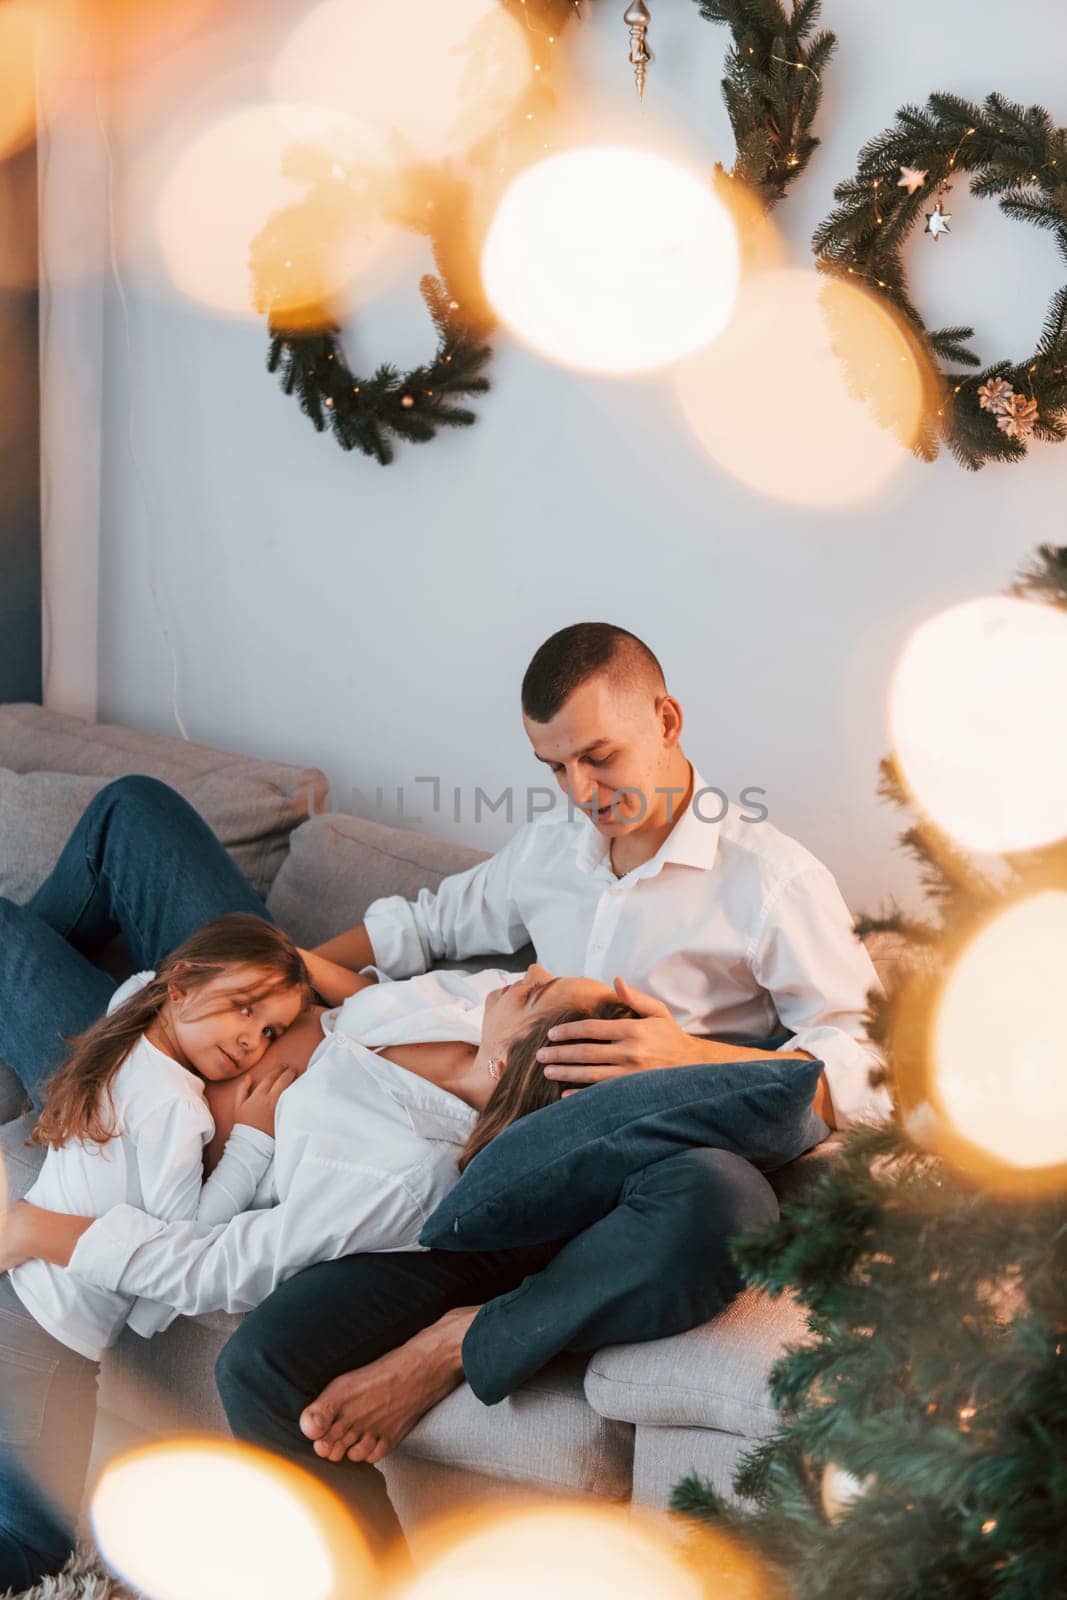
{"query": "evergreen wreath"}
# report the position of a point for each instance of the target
(1014, 152)
(772, 91)
(368, 414)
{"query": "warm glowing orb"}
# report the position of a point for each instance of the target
(218, 1521)
(813, 394)
(976, 722)
(571, 1552)
(612, 260)
(997, 1045)
(274, 208)
(20, 25)
(433, 78)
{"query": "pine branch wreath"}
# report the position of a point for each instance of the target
(1011, 151)
(772, 91)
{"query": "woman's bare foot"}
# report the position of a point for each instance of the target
(364, 1414)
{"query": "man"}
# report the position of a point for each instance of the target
(734, 928)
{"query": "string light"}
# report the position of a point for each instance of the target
(801, 66)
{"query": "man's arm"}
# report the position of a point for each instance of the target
(351, 951)
(331, 977)
(820, 978)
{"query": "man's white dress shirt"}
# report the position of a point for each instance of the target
(735, 926)
(364, 1151)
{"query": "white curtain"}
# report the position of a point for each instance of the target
(73, 262)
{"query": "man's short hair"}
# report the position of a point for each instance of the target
(575, 654)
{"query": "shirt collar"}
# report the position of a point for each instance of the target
(692, 842)
(434, 1113)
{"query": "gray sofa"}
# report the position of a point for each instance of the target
(629, 1424)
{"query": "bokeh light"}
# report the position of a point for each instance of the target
(975, 721)
(117, 37)
(433, 79)
(839, 1489)
(20, 24)
(813, 394)
(576, 1551)
(275, 207)
(611, 259)
(996, 1051)
(205, 1519)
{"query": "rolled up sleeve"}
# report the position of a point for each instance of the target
(471, 913)
(820, 977)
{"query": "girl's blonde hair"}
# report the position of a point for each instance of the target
(522, 1086)
(77, 1100)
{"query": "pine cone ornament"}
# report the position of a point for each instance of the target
(994, 395)
(1017, 417)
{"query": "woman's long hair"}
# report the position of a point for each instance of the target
(523, 1087)
(77, 1100)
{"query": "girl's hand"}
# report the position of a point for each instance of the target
(256, 1103)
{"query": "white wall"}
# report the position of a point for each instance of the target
(377, 621)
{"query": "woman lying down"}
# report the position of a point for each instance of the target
(374, 1107)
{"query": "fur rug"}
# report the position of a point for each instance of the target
(83, 1578)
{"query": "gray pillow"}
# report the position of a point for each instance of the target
(251, 805)
(38, 812)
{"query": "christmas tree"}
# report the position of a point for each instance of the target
(922, 1442)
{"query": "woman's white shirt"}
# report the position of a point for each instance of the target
(155, 1162)
(364, 1151)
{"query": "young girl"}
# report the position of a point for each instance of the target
(125, 1120)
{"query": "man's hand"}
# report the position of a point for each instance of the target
(653, 1039)
(612, 1048)
(255, 1104)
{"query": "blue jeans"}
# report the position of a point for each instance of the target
(141, 864)
(47, 1415)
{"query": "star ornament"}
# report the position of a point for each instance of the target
(937, 222)
(911, 179)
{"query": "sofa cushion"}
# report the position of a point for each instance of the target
(251, 805)
(38, 811)
(13, 1098)
(167, 1383)
(664, 1456)
(713, 1377)
(338, 864)
(544, 1434)
(19, 1162)
(559, 1170)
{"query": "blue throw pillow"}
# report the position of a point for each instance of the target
(559, 1170)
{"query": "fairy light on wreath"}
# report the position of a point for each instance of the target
(772, 90)
(1015, 153)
